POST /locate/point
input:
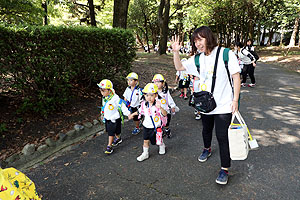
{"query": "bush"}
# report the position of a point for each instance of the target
(46, 62)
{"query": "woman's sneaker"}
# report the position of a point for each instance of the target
(181, 95)
(251, 85)
(117, 141)
(135, 131)
(205, 154)
(108, 150)
(243, 84)
(223, 177)
(185, 97)
(143, 157)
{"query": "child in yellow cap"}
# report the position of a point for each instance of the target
(111, 113)
(132, 96)
(153, 111)
(163, 91)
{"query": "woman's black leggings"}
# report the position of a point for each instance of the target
(248, 69)
(221, 123)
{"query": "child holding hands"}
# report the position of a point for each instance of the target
(111, 114)
(132, 96)
(153, 111)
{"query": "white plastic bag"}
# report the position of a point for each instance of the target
(238, 138)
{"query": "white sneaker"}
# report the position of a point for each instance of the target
(251, 85)
(162, 149)
(243, 84)
(195, 112)
(198, 117)
(143, 157)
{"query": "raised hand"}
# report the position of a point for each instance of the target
(175, 44)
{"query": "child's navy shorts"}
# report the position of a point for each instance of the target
(185, 85)
(113, 128)
(149, 134)
(136, 117)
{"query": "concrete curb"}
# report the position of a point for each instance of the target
(31, 155)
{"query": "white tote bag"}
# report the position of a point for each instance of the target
(238, 138)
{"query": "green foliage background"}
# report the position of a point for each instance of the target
(45, 63)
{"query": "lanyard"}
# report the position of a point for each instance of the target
(105, 102)
(132, 95)
(150, 114)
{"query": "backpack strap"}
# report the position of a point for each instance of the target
(215, 71)
(226, 59)
(197, 62)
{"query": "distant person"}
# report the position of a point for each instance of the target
(183, 80)
(111, 114)
(248, 64)
(225, 96)
(249, 46)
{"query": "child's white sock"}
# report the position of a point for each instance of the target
(146, 150)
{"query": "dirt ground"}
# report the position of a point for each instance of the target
(28, 128)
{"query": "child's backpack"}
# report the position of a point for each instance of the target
(163, 119)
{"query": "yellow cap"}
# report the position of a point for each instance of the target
(132, 75)
(158, 77)
(150, 88)
(105, 84)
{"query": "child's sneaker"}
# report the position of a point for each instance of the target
(143, 157)
(168, 133)
(162, 149)
(251, 85)
(108, 150)
(117, 141)
(205, 154)
(195, 112)
(198, 116)
(222, 177)
(135, 131)
(181, 95)
(185, 97)
(243, 84)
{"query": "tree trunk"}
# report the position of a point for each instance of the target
(139, 39)
(146, 29)
(262, 42)
(271, 33)
(163, 20)
(281, 36)
(45, 6)
(294, 34)
(120, 13)
(258, 34)
(92, 12)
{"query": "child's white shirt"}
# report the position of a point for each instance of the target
(111, 109)
(136, 96)
(168, 100)
(147, 119)
(181, 74)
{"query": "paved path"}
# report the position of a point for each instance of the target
(272, 112)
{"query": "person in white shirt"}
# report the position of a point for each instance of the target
(112, 111)
(163, 91)
(183, 80)
(248, 64)
(154, 113)
(225, 96)
(132, 96)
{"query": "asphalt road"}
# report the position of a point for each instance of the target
(272, 112)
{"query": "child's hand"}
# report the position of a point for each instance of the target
(130, 116)
(173, 110)
(158, 104)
